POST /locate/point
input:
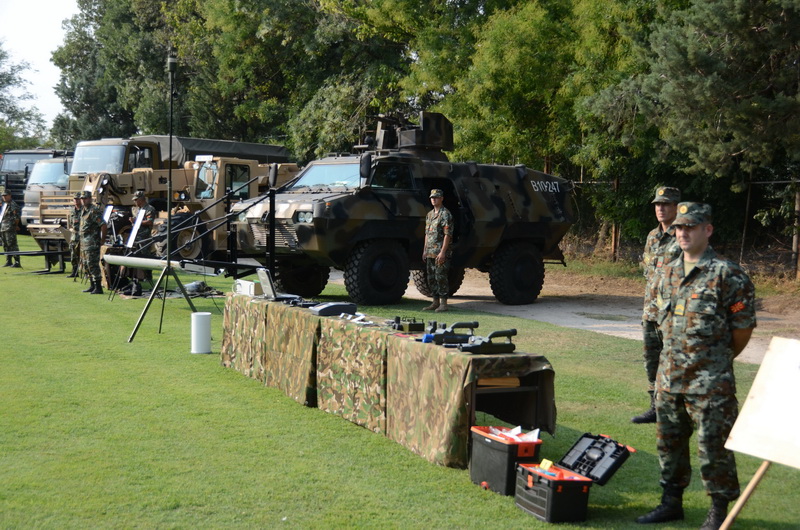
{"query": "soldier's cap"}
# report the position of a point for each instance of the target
(86, 194)
(667, 194)
(78, 195)
(138, 195)
(5, 192)
(692, 214)
(437, 193)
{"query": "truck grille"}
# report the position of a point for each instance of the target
(286, 236)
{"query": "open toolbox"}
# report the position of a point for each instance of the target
(560, 493)
(494, 457)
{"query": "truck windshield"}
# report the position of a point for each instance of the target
(328, 175)
(98, 159)
(49, 173)
(18, 161)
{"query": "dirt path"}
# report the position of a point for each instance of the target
(613, 306)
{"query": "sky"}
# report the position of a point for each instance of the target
(31, 31)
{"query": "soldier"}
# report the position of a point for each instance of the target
(9, 228)
(659, 249)
(74, 224)
(93, 233)
(436, 254)
(707, 314)
(146, 225)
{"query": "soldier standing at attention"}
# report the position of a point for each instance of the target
(93, 233)
(436, 254)
(707, 314)
(659, 249)
(9, 228)
(74, 224)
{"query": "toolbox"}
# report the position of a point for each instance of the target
(494, 458)
(560, 493)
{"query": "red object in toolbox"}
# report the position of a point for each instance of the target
(494, 458)
(561, 492)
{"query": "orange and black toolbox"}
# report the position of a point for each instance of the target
(560, 493)
(494, 457)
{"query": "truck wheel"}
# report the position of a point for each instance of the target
(517, 273)
(303, 280)
(188, 231)
(454, 280)
(376, 273)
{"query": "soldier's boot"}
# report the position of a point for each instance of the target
(74, 272)
(8, 261)
(717, 514)
(433, 305)
(648, 416)
(16, 264)
(670, 509)
(90, 288)
(98, 287)
(443, 305)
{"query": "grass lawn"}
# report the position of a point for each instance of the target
(99, 432)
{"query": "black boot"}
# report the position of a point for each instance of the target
(91, 287)
(16, 264)
(74, 273)
(670, 509)
(717, 514)
(98, 288)
(8, 261)
(649, 416)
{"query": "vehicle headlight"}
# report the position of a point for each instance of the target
(305, 217)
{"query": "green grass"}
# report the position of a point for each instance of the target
(99, 432)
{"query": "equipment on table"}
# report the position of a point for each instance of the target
(486, 346)
(445, 335)
(329, 309)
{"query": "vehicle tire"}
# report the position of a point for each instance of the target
(307, 281)
(376, 273)
(188, 230)
(517, 273)
(454, 280)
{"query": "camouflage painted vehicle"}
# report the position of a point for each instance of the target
(365, 214)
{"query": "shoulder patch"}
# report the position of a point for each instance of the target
(738, 306)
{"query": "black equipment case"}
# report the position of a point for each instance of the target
(493, 459)
(561, 493)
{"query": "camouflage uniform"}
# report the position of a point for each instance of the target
(90, 226)
(437, 226)
(695, 383)
(8, 229)
(74, 224)
(144, 231)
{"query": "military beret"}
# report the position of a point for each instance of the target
(78, 195)
(437, 193)
(692, 214)
(666, 194)
(138, 195)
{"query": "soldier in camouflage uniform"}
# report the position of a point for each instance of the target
(9, 227)
(437, 253)
(707, 314)
(74, 224)
(93, 233)
(659, 249)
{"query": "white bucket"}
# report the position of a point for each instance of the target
(201, 332)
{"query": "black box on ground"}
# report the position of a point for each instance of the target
(494, 458)
(561, 492)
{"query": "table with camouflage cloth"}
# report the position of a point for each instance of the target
(419, 395)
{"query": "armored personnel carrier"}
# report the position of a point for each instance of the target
(365, 214)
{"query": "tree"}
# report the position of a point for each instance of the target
(20, 127)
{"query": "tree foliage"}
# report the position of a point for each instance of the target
(20, 127)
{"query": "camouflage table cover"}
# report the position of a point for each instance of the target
(430, 393)
(351, 372)
(273, 343)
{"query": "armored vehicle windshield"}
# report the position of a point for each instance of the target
(319, 175)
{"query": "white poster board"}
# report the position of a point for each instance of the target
(135, 229)
(767, 426)
(3, 211)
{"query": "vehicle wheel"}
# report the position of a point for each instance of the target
(303, 280)
(517, 273)
(376, 272)
(454, 280)
(188, 230)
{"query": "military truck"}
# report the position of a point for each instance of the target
(16, 166)
(365, 214)
(114, 168)
(47, 177)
